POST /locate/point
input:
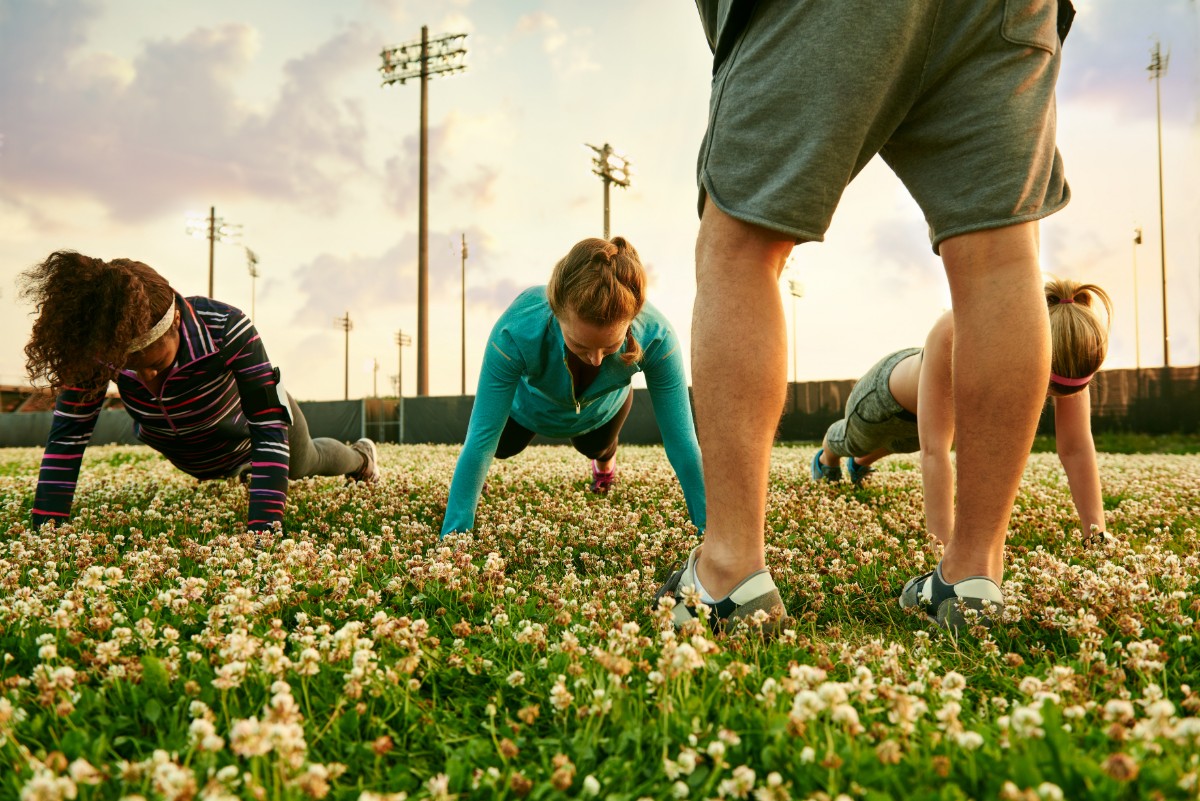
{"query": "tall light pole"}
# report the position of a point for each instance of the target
(347, 325)
(403, 340)
(1158, 68)
(422, 58)
(252, 266)
(214, 229)
(1137, 326)
(464, 314)
(613, 168)
(797, 290)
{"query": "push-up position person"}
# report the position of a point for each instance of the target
(958, 99)
(192, 373)
(559, 363)
(905, 404)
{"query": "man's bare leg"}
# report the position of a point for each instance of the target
(739, 372)
(1001, 372)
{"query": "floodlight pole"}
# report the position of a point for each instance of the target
(347, 325)
(252, 266)
(1157, 68)
(797, 291)
(212, 238)
(464, 314)
(403, 340)
(612, 169)
(413, 60)
(212, 228)
(1137, 326)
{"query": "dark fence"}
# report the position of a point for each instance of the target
(1153, 401)
(344, 420)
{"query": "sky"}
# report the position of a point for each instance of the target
(120, 118)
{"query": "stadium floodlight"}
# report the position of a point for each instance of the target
(252, 267)
(613, 168)
(422, 58)
(346, 325)
(214, 229)
(1158, 68)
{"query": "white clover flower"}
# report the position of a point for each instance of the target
(82, 772)
(560, 697)
(591, 785)
(739, 784)
(680, 790)
(968, 740)
(1049, 792)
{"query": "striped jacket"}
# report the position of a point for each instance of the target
(219, 408)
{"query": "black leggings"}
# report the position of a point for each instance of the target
(599, 444)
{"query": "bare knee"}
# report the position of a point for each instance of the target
(724, 240)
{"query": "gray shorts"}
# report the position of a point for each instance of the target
(957, 98)
(873, 418)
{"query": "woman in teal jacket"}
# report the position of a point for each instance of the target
(559, 363)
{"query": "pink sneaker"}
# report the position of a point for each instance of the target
(602, 480)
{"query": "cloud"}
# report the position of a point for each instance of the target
(902, 257)
(565, 61)
(480, 187)
(156, 131)
(333, 283)
(401, 174)
(1108, 50)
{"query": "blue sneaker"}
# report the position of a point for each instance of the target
(857, 471)
(825, 472)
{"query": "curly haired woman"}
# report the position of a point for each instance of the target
(192, 373)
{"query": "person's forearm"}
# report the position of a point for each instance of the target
(1083, 477)
(937, 476)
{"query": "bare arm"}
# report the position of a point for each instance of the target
(1077, 452)
(935, 424)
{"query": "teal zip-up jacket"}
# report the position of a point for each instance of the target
(525, 376)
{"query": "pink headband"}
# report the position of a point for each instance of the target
(1066, 300)
(1070, 382)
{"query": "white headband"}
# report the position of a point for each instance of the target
(152, 336)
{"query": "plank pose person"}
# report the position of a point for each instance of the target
(192, 372)
(905, 404)
(559, 363)
(958, 99)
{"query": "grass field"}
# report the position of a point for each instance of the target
(147, 650)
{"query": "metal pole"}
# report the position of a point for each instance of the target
(212, 238)
(607, 182)
(1137, 326)
(464, 314)
(423, 228)
(795, 358)
(1157, 67)
(375, 380)
(400, 388)
(346, 387)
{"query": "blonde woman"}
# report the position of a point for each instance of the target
(559, 363)
(905, 404)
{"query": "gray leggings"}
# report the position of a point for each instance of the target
(322, 456)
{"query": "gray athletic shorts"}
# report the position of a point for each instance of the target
(873, 418)
(957, 97)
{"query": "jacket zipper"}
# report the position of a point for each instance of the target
(158, 396)
(571, 375)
